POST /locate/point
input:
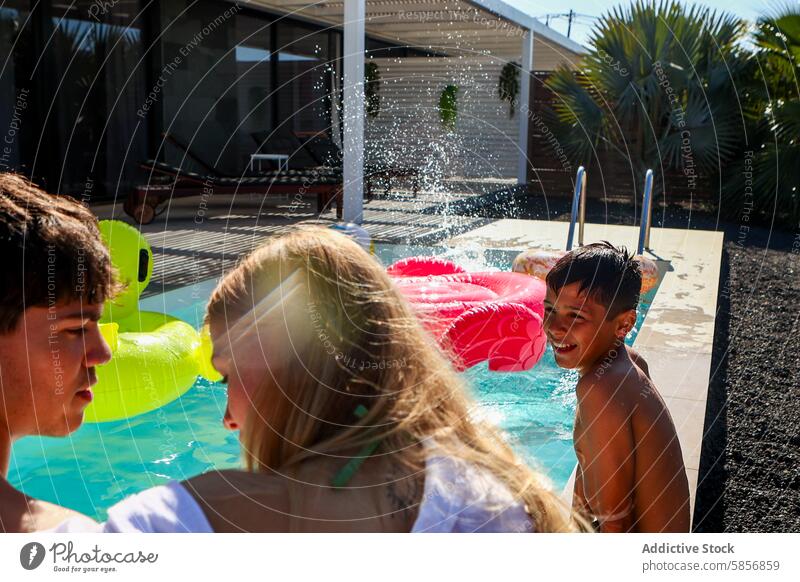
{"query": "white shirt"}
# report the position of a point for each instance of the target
(458, 498)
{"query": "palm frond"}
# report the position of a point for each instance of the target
(578, 118)
(655, 73)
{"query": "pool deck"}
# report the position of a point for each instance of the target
(197, 238)
(677, 336)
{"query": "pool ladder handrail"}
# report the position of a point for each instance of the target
(578, 208)
(578, 213)
(647, 211)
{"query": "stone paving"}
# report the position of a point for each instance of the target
(197, 238)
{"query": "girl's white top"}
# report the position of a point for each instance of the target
(459, 497)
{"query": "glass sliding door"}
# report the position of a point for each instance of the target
(216, 72)
(304, 77)
(254, 82)
(230, 79)
(198, 85)
(88, 88)
(90, 123)
(15, 89)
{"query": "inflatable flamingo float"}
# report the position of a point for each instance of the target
(476, 316)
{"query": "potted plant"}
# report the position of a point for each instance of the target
(448, 107)
(508, 86)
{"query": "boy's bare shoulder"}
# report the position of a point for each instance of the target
(638, 360)
(48, 515)
(23, 514)
(603, 398)
(619, 386)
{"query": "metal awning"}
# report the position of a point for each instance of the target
(451, 27)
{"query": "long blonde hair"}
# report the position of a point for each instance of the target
(349, 339)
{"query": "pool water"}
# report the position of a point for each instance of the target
(100, 464)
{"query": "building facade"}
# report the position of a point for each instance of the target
(88, 88)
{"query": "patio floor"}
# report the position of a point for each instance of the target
(196, 238)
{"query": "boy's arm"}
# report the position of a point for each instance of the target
(608, 450)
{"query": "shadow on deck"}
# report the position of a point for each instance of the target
(197, 238)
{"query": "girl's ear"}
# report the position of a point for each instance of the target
(625, 322)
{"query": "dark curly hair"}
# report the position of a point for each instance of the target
(610, 274)
(51, 249)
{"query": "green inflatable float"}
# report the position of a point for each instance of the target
(156, 357)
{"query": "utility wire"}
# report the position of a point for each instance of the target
(570, 16)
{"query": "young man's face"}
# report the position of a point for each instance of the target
(578, 329)
(47, 369)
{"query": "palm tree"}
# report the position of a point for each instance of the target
(776, 158)
(657, 87)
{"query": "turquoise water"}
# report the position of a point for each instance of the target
(100, 464)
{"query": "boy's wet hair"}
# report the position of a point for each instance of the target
(610, 275)
(51, 250)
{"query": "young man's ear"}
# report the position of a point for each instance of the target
(625, 322)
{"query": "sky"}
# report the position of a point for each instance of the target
(586, 9)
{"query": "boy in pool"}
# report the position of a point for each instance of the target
(630, 474)
(57, 275)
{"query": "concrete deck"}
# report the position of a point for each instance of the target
(198, 237)
(677, 336)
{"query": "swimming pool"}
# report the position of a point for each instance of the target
(100, 464)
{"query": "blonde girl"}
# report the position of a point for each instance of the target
(349, 416)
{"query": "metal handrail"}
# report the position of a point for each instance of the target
(647, 211)
(578, 208)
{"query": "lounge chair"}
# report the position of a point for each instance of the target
(327, 154)
(142, 204)
(284, 142)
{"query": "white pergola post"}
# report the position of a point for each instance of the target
(353, 146)
(524, 105)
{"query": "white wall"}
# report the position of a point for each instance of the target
(408, 130)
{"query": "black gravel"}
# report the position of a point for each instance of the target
(750, 465)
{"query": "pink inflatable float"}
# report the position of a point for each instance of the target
(476, 316)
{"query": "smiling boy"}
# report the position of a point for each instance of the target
(630, 474)
(57, 275)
